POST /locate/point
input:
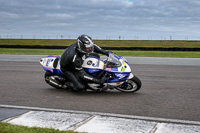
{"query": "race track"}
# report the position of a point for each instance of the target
(168, 91)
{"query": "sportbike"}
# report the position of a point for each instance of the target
(115, 69)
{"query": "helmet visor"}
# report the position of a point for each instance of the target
(88, 49)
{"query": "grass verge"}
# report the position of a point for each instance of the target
(180, 54)
(174, 54)
(105, 43)
(31, 51)
(8, 128)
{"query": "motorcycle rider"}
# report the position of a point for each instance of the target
(72, 60)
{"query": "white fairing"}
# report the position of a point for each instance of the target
(48, 62)
(130, 76)
(93, 63)
(125, 66)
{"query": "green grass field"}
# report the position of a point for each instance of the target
(104, 43)
(121, 53)
(8, 128)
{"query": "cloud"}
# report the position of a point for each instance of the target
(102, 18)
(7, 15)
(59, 15)
(57, 24)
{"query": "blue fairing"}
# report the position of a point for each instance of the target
(118, 77)
(57, 56)
(93, 72)
(56, 71)
(122, 76)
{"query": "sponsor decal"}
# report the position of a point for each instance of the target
(86, 77)
(89, 62)
(48, 61)
(44, 60)
(123, 69)
(109, 69)
(124, 63)
(48, 69)
(121, 76)
(96, 64)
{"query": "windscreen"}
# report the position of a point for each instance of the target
(114, 60)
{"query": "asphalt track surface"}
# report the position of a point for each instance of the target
(168, 91)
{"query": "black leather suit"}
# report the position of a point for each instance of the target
(71, 65)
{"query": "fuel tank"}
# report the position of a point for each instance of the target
(93, 66)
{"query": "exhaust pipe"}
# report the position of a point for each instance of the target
(54, 84)
(52, 81)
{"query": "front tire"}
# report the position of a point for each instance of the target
(131, 85)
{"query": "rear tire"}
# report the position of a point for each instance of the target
(131, 85)
(46, 76)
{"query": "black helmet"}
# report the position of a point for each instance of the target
(85, 44)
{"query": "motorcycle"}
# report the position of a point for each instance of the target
(115, 69)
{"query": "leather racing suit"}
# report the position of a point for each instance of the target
(71, 65)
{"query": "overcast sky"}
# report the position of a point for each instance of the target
(101, 19)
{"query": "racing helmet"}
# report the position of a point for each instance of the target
(85, 44)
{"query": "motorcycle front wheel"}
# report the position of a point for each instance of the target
(131, 85)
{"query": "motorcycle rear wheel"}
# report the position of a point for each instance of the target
(131, 85)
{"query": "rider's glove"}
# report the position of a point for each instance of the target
(107, 53)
